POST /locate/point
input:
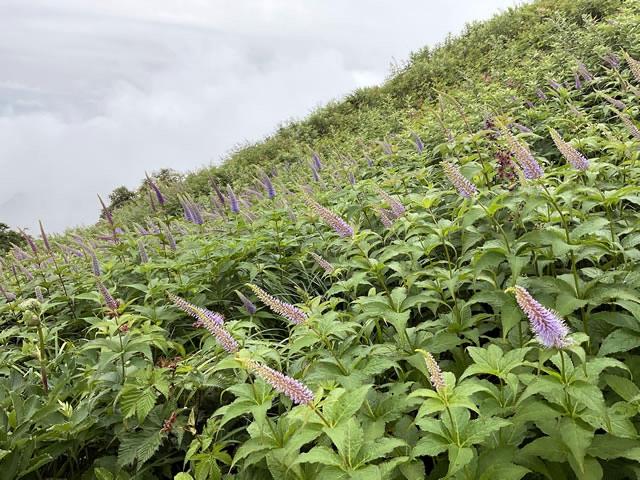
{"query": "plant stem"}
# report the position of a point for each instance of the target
(498, 227)
(43, 361)
(122, 355)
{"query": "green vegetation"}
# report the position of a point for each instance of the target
(447, 288)
(8, 238)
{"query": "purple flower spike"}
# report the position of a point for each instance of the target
(212, 321)
(530, 167)
(612, 60)
(19, 254)
(522, 128)
(171, 241)
(288, 311)
(95, 265)
(464, 186)
(297, 391)
(615, 102)
(248, 304)
(326, 266)
(195, 213)
(8, 296)
(268, 186)
(631, 127)
(144, 258)
(39, 295)
(315, 174)
(584, 72)
(341, 227)
(29, 241)
(156, 190)
(418, 142)
(397, 209)
(194, 311)
(186, 211)
(369, 161)
(316, 162)
(45, 238)
(385, 217)
(191, 212)
(573, 156)
(578, 82)
(352, 178)
(152, 202)
(550, 330)
(634, 65)
(233, 200)
(111, 303)
(555, 85)
(106, 212)
(218, 192)
(540, 93)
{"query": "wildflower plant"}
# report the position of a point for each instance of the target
(409, 360)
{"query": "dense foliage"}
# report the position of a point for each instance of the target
(8, 238)
(447, 286)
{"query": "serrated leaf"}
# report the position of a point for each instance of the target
(459, 457)
(430, 445)
(620, 340)
(322, 455)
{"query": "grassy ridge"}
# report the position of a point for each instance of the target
(412, 306)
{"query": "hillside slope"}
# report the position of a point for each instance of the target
(437, 278)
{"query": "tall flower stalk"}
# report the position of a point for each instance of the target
(396, 206)
(339, 225)
(464, 186)
(156, 190)
(248, 304)
(573, 156)
(95, 265)
(316, 162)
(142, 251)
(385, 217)
(550, 330)
(297, 391)
(212, 321)
(288, 311)
(268, 186)
(233, 200)
(530, 166)
(111, 303)
(634, 66)
(435, 374)
(326, 266)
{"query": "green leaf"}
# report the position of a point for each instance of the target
(620, 340)
(624, 387)
(320, 454)
(430, 445)
(348, 437)
(182, 476)
(138, 401)
(459, 457)
(608, 447)
(577, 439)
(504, 471)
(138, 446)
(342, 404)
(478, 430)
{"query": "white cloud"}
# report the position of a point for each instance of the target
(92, 94)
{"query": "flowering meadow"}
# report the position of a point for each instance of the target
(436, 278)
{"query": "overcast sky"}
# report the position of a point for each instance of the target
(95, 93)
